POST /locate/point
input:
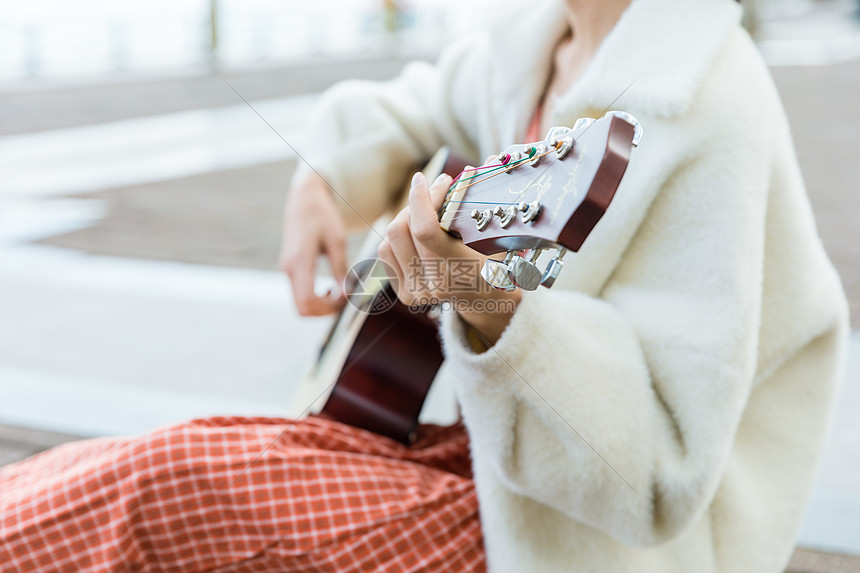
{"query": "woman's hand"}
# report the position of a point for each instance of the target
(312, 227)
(431, 265)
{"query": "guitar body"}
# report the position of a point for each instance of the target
(387, 373)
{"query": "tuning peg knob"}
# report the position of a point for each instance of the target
(506, 215)
(524, 273)
(530, 210)
(564, 145)
(540, 151)
(496, 274)
(482, 218)
(554, 267)
(514, 158)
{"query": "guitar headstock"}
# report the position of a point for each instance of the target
(542, 195)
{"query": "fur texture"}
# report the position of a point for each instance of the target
(662, 408)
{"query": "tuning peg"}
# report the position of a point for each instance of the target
(524, 273)
(637, 127)
(562, 146)
(530, 210)
(505, 214)
(536, 152)
(561, 139)
(513, 160)
(553, 268)
(496, 273)
(482, 218)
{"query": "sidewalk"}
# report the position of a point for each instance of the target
(28, 106)
(821, 103)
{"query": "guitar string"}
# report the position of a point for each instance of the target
(509, 167)
(492, 167)
(506, 168)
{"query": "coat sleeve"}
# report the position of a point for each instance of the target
(364, 137)
(621, 410)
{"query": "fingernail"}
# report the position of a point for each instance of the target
(417, 179)
(441, 177)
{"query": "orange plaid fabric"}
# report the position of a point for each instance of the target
(323, 497)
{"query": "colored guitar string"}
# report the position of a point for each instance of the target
(493, 167)
(500, 167)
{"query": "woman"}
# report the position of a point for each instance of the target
(660, 409)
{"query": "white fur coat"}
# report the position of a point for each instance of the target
(663, 407)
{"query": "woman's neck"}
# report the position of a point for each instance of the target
(591, 21)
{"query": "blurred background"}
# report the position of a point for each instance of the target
(140, 204)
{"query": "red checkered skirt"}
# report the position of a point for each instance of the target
(244, 495)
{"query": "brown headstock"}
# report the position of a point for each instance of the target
(570, 181)
(546, 194)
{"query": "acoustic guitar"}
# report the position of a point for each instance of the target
(380, 357)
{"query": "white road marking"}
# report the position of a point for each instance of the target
(147, 149)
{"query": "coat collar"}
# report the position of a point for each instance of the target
(664, 47)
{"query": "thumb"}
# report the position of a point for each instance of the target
(423, 218)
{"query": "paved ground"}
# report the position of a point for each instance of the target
(822, 106)
(806, 561)
(230, 218)
(26, 106)
(19, 443)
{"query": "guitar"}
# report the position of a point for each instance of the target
(380, 357)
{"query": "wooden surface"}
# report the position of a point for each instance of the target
(19, 443)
